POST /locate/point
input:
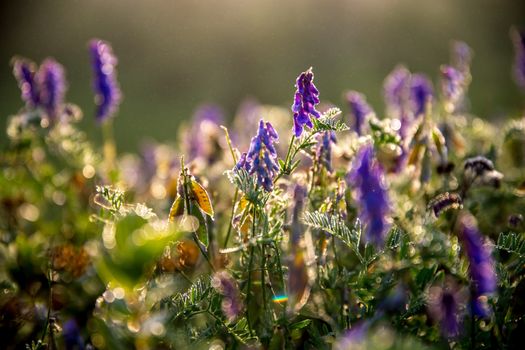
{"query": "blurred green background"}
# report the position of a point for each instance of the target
(174, 55)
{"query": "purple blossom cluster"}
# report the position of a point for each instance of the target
(324, 149)
(44, 87)
(232, 304)
(421, 92)
(481, 267)
(206, 122)
(452, 85)
(105, 85)
(359, 111)
(261, 158)
(367, 180)
(305, 100)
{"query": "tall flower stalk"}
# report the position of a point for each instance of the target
(107, 96)
(366, 177)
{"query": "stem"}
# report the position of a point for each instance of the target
(286, 160)
(230, 224)
(109, 149)
(250, 265)
(188, 212)
(229, 141)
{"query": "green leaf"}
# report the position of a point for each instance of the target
(329, 122)
(335, 225)
(512, 243)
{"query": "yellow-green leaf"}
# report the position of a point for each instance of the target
(177, 208)
(199, 195)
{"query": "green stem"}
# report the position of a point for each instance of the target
(230, 224)
(109, 149)
(250, 266)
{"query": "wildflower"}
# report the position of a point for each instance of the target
(105, 85)
(52, 87)
(461, 56)
(355, 337)
(481, 267)
(306, 97)
(203, 138)
(25, 73)
(367, 179)
(261, 157)
(44, 87)
(232, 305)
(518, 38)
(452, 86)
(421, 92)
(324, 149)
(359, 110)
(395, 89)
(444, 202)
(444, 305)
(71, 334)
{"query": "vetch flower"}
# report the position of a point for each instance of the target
(232, 304)
(445, 305)
(71, 334)
(461, 56)
(481, 264)
(452, 86)
(396, 89)
(518, 38)
(359, 111)
(261, 158)
(421, 92)
(306, 97)
(105, 85)
(52, 87)
(367, 180)
(324, 149)
(25, 73)
(202, 139)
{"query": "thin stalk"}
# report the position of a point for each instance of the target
(250, 266)
(188, 212)
(230, 223)
(109, 149)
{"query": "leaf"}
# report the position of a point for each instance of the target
(199, 195)
(329, 122)
(177, 209)
(334, 225)
(512, 243)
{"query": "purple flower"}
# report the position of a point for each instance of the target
(52, 87)
(518, 38)
(105, 85)
(201, 139)
(355, 337)
(481, 267)
(395, 89)
(370, 192)
(461, 56)
(421, 92)
(232, 305)
(359, 110)
(453, 83)
(324, 149)
(72, 337)
(445, 306)
(261, 158)
(306, 97)
(25, 73)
